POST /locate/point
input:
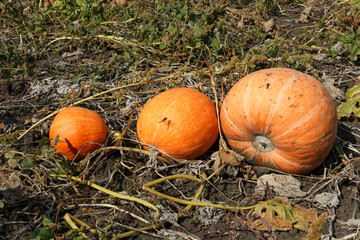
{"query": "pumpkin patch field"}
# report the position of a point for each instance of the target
(224, 119)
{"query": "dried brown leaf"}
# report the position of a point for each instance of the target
(306, 12)
(118, 3)
(230, 157)
(305, 217)
(269, 25)
(315, 229)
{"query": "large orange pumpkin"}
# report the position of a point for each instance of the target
(180, 123)
(280, 118)
(81, 131)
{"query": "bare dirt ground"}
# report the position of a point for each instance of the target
(112, 57)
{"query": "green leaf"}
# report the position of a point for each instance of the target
(162, 46)
(352, 104)
(350, 107)
(158, 7)
(55, 140)
(197, 31)
(355, 3)
(27, 163)
(352, 92)
(82, 4)
(76, 79)
(44, 233)
(216, 43)
(47, 221)
(48, 151)
(74, 234)
(127, 56)
(60, 167)
(9, 155)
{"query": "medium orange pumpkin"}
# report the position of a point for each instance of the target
(179, 122)
(280, 118)
(81, 131)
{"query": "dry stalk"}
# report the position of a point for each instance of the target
(104, 205)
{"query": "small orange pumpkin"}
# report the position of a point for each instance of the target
(81, 131)
(180, 123)
(280, 118)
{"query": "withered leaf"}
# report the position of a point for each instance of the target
(276, 214)
(229, 156)
(315, 229)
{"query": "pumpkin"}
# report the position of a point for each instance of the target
(280, 118)
(81, 131)
(180, 123)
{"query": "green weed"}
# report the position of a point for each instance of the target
(352, 41)
(350, 108)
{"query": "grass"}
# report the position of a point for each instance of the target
(193, 32)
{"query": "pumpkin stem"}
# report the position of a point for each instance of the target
(262, 143)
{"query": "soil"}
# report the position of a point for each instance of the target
(26, 195)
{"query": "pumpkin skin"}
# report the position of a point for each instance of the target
(79, 129)
(180, 122)
(280, 118)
